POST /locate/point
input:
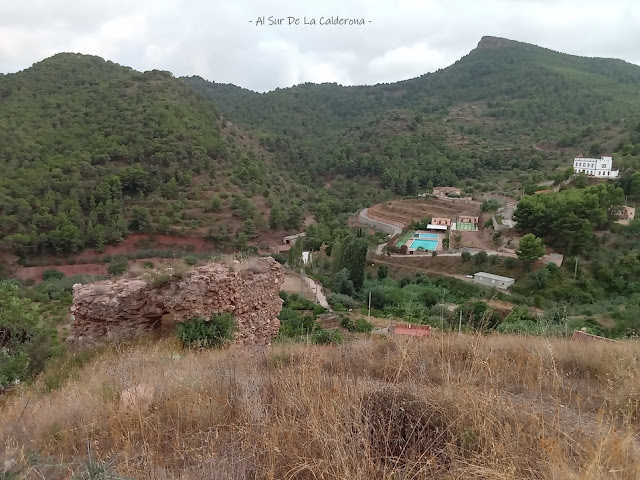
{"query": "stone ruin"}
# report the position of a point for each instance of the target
(121, 309)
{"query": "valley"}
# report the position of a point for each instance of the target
(237, 260)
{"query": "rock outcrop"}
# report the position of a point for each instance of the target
(116, 310)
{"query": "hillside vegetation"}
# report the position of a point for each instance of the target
(484, 114)
(92, 151)
(448, 407)
(81, 136)
(525, 84)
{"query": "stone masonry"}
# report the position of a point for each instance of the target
(121, 309)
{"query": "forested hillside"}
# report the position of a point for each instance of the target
(92, 151)
(524, 85)
(486, 113)
(80, 134)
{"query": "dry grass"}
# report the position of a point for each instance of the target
(448, 407)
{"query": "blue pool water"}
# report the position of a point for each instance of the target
(426, 244)
(427, 235)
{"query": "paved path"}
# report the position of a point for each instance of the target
(472, 251)
(317, 289)
(391, 228)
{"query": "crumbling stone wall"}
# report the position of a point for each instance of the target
(116, 310)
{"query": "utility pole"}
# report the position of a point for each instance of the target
(460, 324)
(369, 315)
(442, 315)
(575, 272)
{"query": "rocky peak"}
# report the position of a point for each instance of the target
(495, 42)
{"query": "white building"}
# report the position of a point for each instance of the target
(492, 280)
(595, 167)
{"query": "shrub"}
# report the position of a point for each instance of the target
(281, 259)
(434, 253)
(510, 263)
(198, 332)
(363, 326)
(25, 339)
(118, 266)
(360, 325)
(326, 337)
(480, 257)
(190, 260)
(345, 300)
(147, 265)
(383, 272)
(52, 274)
(293, 323)
(465, 256)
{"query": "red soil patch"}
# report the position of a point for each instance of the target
(132, 244)
(35, 273)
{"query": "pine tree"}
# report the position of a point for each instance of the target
(354, 259)
(336, 256)
(295, 254)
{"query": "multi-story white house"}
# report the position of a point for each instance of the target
(595, 167)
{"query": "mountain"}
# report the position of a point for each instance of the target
(505, 110)
(92, 151)
(529, 88)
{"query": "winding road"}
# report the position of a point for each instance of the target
(390, 228)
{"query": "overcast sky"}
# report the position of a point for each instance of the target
(217, 40)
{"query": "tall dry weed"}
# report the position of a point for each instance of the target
(445, 407)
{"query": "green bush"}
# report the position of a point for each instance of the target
(294, 324)
(510, 263)
(360, 325)
(345, 300)
(363, 326)
(383, 272)
(465, 256)
(118, 266)
(190, 260)
(281, 259)
(326, 337)
(198, 332)
(52, 274)
(25, 339)
(480, 257)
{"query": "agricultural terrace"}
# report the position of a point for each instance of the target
(410, 210)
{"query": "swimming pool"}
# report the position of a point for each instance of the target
(426, 244)
(427, 235)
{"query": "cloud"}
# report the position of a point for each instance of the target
(407, 62)
(216, 40)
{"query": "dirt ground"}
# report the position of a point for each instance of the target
(450, 266)
(480, 239)
(405, 211)
(144, 241)
(294, 284)
(25, 274)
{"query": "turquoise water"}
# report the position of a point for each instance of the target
(426, 244)
(427, 235)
